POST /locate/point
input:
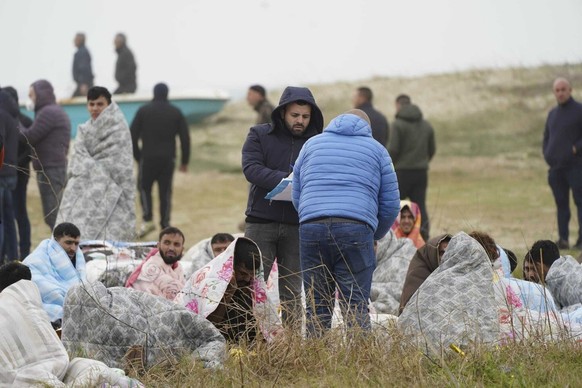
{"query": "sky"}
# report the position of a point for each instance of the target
(231, 44)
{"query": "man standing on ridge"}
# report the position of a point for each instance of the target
(362, 100)
(562, 148)
(82, 71)
(125, 66)
(268, 155)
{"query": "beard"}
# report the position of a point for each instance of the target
(170, 260)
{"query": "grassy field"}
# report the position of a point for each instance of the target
(488, 174)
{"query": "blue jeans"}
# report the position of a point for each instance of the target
(562, 181)
(281, 241)
(337, 254)
(8, 241)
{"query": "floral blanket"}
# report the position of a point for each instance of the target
(206, 287)
(100, 193)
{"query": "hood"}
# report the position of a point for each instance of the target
(349, 125)
(161, 92)
(293, 94)
(8, 104)
(410, 113)
(45, 94)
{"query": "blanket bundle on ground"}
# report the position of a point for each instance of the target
(466, 301)
(106, 323)
(206, 287)
(54, 273)
(564, 280)
(393, 256)
(31, 353)
(100, 191)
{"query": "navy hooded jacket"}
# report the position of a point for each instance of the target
(269, 154)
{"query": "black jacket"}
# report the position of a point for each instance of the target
(9, 132)
(82, 72)
(125, 69)
(157, 124)
(268, 155)
(564, 130)
(378, 122)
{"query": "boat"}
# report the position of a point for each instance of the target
(194, 106)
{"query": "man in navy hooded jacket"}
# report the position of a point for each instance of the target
(268, 155)
(563, 152)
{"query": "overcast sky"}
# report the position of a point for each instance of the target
(229, 44)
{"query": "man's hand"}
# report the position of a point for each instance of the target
(183, 168)
(83, 89)
(574, 149)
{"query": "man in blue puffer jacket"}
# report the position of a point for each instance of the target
(268, 155)
(346, 192)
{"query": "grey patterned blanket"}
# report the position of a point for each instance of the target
(393, 257)
(456, 303)
(564, 280)
(106, 323)
(100, 191)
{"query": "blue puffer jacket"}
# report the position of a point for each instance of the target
(344, 172)
(268, 155)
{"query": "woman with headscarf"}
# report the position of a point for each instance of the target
(408, 223)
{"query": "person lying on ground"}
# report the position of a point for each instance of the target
(56, 265)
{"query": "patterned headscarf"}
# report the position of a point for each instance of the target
(414, 234)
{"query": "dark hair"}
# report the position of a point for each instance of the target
(12, 92)
(366, 92)
(221, 238)
(403, 99)
(171, 230)
(97, 91)
(246, 254)
(487, 243)
(545, 251)
(259, 89)
(12, 272)
(66, 229)
(512, 259)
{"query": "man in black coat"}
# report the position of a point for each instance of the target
(125, 67)
(157, 124)
(362, 100)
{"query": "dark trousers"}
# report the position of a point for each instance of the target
(281, 242)
(51, 183)
(562, 181)
(21, 213)
(8, 241)
(413, 185)
(162, 172)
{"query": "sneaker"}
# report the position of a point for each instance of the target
(145, 228)
(563, 244)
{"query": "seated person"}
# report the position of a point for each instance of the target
(205, 250)
(408, 222)
(231, 293)
(56, 265)
(161, 273)
(428, 258)
(41, 359)
(12, 272)
(562, 275)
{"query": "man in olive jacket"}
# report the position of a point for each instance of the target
(412, 146)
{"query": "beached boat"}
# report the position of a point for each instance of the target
(195, 106)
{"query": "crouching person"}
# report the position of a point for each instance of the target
(161, 272)
(56, 265)
(230, 292)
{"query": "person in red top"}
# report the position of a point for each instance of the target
(408, 223)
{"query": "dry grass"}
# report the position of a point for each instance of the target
(488, 174)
